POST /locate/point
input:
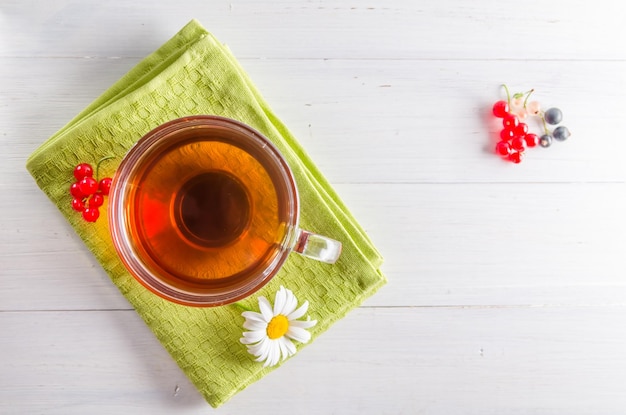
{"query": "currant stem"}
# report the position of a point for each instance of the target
(528, 96)
(100, 162)
(508, 95)
(545, 124)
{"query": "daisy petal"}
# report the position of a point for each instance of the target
(254, 325)
(255, 350)
(266, 356)
(245, 341)
(253, 336)
(252, 348)
(260, 350)
(299, 312)
(288, 347)
(283, 349)
(254, 316)
(279, 301)
(291, 303)
(274, 354)
(303, 324)
(266, 309)
(298, 334)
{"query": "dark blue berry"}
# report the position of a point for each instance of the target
(561, 133)
(545, 140)
(553, 116)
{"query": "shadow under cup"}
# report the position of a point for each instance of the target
(203, 211)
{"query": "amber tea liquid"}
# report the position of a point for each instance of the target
(206, 210)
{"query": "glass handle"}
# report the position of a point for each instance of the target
(321, 248)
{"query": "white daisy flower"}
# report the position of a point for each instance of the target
(272, 330)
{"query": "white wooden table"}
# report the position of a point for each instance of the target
(507, 283)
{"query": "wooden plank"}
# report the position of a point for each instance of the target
(385, 360)
(501, 244)
(454, 244)
(402, 29)
(372, 121)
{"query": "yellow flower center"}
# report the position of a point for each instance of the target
(277, 327)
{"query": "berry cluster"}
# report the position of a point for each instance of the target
(515, 137)
(87, 192)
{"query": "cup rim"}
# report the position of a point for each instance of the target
(118, 224)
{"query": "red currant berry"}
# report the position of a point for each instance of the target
(96, 200)
(75, 191)
(91, 214)
(518, 144)
(88, 186)
(531, 139)
(78, 205)
(521, 130)
(500, 109)
(510, 121)
(503, 149)
(83, 170)
(105, 185)
(516, 157)
(507, 134)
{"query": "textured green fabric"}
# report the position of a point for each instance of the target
(190, 74)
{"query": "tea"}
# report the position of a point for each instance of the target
(206, 210)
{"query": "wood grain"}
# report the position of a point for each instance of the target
(507, 283)
(474, 360)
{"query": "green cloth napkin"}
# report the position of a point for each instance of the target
(194, 74)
